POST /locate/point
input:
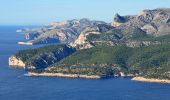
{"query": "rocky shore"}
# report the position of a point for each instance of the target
(142, 79)
(25, 43)
(16, 62)
(64, 75)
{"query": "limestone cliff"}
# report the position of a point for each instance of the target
(154, 22)
(59, 32)
(16, 62)
(81, 42)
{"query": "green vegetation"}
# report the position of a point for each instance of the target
(131, 33)
(44, 56)
(152, 61)
(98, 60)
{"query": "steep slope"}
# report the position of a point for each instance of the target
(152, 61)
(59, 32)
(82, 42)
(154, 22)
(102, 60)
(41, 57)
(134, 45)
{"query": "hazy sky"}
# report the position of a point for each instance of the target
(31, 12)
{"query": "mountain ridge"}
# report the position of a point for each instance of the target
(136, 45)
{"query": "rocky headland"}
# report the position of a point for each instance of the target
(131, 45)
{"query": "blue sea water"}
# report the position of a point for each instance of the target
(15, 86)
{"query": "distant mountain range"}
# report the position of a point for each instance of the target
(130, 45)
(154, 22)
(60, 32)
(148, 22)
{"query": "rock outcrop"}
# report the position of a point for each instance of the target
(83, 43)
(134, 45)
(154, 22)
(16, 62)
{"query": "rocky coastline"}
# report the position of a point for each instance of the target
(152, 80)
(25, 43)
(16, 62)
(64, 75)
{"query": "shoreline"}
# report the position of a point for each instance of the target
(151, 80)
(64, 75)
(138, 78)
(25, 43)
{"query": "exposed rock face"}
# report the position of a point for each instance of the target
(60, 32)
(14, 61)
(154, 22)
(118, 20)
(149, 28)
(31, 36)
(116, 24)
(82, 42)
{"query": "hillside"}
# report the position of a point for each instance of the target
(129, 47)
(154, 22)
(146, 23)
(60, 32)
(102, 60)
(44, 56)
(150, 61)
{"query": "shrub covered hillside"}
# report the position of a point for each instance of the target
(152, 61)
(100, 60)
(44, 56)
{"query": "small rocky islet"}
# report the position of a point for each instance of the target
(137, 45)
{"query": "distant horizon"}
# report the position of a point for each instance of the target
(42, 12)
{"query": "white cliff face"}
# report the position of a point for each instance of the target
(81, 39)
(81, 42)
(116, 24)
(13, 61)
(154, 22)
(150, 29)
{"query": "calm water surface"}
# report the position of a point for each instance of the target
(15, 86)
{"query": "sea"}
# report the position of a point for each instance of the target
(15, 85)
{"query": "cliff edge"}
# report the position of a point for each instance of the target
(16, 62)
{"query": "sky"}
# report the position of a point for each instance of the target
(39, 12)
